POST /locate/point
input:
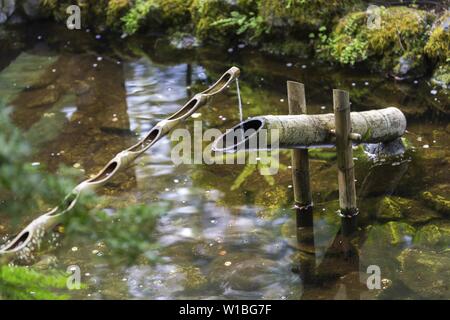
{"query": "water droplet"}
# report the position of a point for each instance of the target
(74, 249)
(98, 37)
(230, 50)
(176, 180)
(99, 58)
(227, 263)
(425, 146)
(289, 64)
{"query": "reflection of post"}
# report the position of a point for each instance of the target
(346, 175)
(302, 191)
(300, 161)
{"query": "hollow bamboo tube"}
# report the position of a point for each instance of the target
(299, 158)
(297, 131)
(346, 174)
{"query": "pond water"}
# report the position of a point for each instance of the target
(228, 231)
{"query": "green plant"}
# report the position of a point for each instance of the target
(251, 24)
(24, 187)
(22, 283)
(134, 17)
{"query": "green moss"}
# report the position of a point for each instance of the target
(302, 14)
(194, 278)
(441, 74)
(23, 283)
(390, 208)
(438, 45)
(437, 202)
(434, 235)
(391, 233)
(396, 47)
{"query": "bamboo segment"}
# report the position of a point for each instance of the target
(346, 174)
(302, 131)
(29, 237)
(300, 158)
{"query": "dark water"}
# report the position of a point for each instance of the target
(80, 100)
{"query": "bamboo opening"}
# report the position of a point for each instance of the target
(17, 242)
(187, 108)
(239, 136)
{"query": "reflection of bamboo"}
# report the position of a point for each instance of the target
(29, 238)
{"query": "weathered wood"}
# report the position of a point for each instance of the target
(296, 131)
(299, 158)
(346, 174)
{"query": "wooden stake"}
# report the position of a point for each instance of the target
(346, 175)
(300, 159)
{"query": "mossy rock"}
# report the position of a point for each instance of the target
(239, 272)
(390, 234)
(426, 273)
(398, 208)
(301, 15)
(194, 278)
(438, 45)
(396, 47)
(435, 200)
(383, 244)
(441, 74)
(435, 235)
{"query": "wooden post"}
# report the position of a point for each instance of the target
(300, 160)
(346, 175)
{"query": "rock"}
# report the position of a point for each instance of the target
(6, 10)
(31, 8)
(426, 273)
(396, 208)
(240, 272)
(183, 41)
(194, 279)
(434, 235)
(436, 201)
(396, 47)
(383, 244)
(38, 98)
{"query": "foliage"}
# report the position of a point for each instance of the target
(438, 45)
(134, 17)
(27, 284)
(243, 23)
(129, 232)
(24, 187)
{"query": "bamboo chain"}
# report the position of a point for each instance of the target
(29, 238)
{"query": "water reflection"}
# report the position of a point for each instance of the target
(216, 240)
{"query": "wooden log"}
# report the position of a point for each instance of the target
(297, 131)
(346, 174)
(299, 157)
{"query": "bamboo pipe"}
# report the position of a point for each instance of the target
(29, 237)
(302, 131)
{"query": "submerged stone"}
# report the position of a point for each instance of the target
(426, 272)
(434, 235)
(436, 201)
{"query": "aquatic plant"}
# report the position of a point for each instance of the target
(24, 186)
(23, 283)
(128, 233)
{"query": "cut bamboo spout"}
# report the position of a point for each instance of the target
(303, 131)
